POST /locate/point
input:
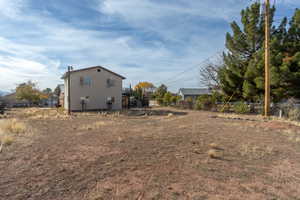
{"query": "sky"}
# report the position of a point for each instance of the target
(144, 40)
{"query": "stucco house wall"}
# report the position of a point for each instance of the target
(97, 90)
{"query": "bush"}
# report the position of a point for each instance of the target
(6, 140)
(205, 102)
(294, 114)
(224, 108)
(167, 99)
(12, 126)
(175, 99)
(241, 108)
(189, 102)
(160, 101)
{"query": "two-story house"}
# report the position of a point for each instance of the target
(93, 88)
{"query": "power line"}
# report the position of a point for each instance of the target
(189, 69)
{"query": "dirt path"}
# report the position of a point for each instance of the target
(152, 157)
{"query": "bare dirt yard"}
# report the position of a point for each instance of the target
(148, 155)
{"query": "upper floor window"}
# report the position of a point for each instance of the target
(110, 82)
(85, 81)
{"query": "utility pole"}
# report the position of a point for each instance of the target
(69, 89)
(267, 58)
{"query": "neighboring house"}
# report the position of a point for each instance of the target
(93, 88)
(11, 101)
(193, 92)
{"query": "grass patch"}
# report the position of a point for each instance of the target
(12, 126)
(45, 113)
(6, 140)
(9, 128)
(255, 152)
(95, 125)
(215, 154)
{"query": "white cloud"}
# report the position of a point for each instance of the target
(11, 8)
(38, 46)
(17, 70)
(136, 10)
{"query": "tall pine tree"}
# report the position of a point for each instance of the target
(243, 72)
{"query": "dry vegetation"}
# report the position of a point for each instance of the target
(9, 129)
(95, 125)
(162, 155)
(45, 113)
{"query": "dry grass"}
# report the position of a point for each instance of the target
(170, 115)
(12, 126)
(3, 116)
(45, 113)
(255, 152)
(292, 135)
(6, 140)
(214, 153)
(93, 126)
(214, 145)
(296, 123)
(241, 117)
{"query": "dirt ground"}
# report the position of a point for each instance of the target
(151, 155)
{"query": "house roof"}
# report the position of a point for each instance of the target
(194, 91)
(90, 68)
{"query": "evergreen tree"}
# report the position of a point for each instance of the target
(243, 72)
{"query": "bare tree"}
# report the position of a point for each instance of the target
(209, 73)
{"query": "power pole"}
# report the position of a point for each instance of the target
(69, 89)
(267, 58)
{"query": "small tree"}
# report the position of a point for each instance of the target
(175, 99)
(241, 108)
(47, 93)
(205, 102)
(167, 98)
(209, 73)
(189, 101)
(145, 87)
(28, 91)
(160, 91)
(57, 91)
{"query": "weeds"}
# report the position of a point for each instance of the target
(294, 114)
(8, 128)
(6, 140)
(12, 126)
(95, 125)
(38, 113)
(214, 153)
(292, 135)
(241, 108)
(255, 152)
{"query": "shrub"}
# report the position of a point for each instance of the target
(189, 102)
(205, 102)
(294, 114)
(175, 99)
(6, 140)
(216, 154)
(167, 98)
(224, 108)
(241, 108)
(160, 101)
(12, 126)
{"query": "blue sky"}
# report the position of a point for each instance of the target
(143, 40)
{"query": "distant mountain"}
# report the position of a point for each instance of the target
(3, 93)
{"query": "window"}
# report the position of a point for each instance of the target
(110, 82)
(85, 81)
(98, 70)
